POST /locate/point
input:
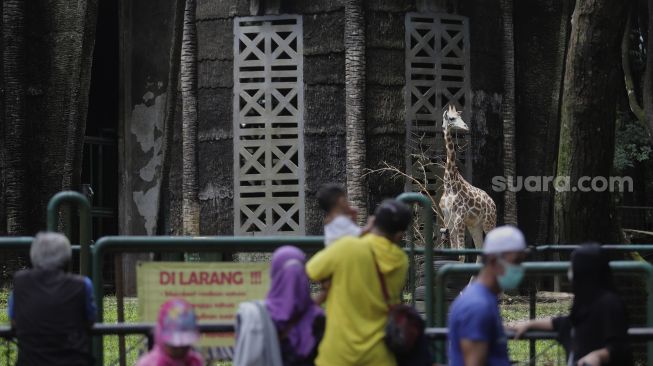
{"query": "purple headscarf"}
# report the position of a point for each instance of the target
(289, 299)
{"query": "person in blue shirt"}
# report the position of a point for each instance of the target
(476, 335)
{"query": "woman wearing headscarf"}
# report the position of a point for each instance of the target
(595, 332)
(299, 321)
(174, 336)
(287, 327)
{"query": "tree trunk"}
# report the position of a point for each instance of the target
(62, 39)
(631, 93)
(588, 122)
(355, 105)
(75, 118)
(508, 111)
(171, 109)
(15, 172)
(190, 201)
(546, 227)
(647, 101)
(3, 164)
(541, 28)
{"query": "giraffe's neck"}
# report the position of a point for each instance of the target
(451, 171)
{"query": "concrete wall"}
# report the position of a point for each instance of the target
(487, 93)
(324, 116)
(386, 126)
(148, 30)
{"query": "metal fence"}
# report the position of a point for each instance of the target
(645, 268)
(146, 330)
(103, 330)
(91, 256)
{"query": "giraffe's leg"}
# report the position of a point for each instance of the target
(489, 222)
(477, 236)
(458, 237)
(446, 224)
(490, 217)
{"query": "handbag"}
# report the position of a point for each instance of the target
(404, 327)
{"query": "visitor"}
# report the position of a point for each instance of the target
(595, 332)
(51, 310)
(174, 336)
(339, 222)
(287, 327)
(476, 335)
(356, 309)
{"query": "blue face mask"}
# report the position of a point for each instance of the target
(511, 277)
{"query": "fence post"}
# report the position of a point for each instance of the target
(84, 208)
(649, 309)
(427, 214)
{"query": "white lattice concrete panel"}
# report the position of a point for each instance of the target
(268, 126)
(437, 73)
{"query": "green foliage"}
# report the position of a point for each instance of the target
(632, 146)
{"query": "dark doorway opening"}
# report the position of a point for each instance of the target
(100, 167)
(100, 164)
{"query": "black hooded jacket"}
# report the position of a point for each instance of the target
(598, 315)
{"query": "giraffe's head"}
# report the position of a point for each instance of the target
(452, 120)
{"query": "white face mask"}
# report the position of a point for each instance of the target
(570, 275)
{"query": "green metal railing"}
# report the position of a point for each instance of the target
(23, 243)
(93, 264)
(605, 247)
(427, 218)
(184, 244)
(547, 248)
(15, 242)
(84, 207)
(543, 267)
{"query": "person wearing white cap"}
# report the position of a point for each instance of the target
(476, 335)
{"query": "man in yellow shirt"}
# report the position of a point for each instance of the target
(355, 308)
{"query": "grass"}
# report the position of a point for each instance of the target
(134, 344)
(549, 353)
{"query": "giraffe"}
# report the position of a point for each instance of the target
(463, 205)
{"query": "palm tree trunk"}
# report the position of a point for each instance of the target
(171, 109)
(74, 79)
(3, 152)
(13, 60)
(190, 203)
(355, 105)
(508, 111)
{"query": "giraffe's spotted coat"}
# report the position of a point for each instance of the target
(463, 205)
